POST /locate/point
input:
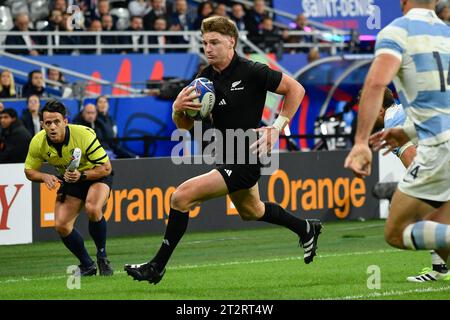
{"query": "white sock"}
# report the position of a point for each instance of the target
(436, 259)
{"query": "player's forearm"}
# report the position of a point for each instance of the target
(369, 108)
(293, 95)
(292, 101)
(408, 155)
(98, 172)
(182, 121)
(34, 175)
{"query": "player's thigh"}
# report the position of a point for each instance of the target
(404, 211)
(441, 214)
(248, 203)
(203, 187)
(97, 196)
(66, 212)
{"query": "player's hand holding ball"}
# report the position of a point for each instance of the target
(196, 100)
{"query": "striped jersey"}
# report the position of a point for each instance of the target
(394, 117)
(422, 43)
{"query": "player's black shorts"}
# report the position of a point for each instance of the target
(239, 176)
(80, 189)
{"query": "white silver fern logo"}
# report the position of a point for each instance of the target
(236, 83)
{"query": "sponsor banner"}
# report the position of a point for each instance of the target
(368, 17)
(15, 205)
(311, 185)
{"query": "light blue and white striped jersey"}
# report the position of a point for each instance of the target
(422, 42)
(394, 116)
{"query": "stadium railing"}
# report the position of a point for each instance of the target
(332, 39)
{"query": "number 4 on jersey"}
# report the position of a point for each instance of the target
(414, 172)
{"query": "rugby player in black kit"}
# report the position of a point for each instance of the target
(241, 87)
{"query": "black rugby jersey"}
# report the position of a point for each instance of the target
(241, 90)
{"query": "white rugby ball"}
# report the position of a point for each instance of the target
(205, 88)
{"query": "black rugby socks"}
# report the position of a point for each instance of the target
(176, 227)
(75, 243)
(97, 230)
(275, 214)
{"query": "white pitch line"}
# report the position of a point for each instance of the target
(223, 264)
(389, 293)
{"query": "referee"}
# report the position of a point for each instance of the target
(89, 185)
(241, 87)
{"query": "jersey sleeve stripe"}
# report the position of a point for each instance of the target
(389, 51)
(98, 159)
(90, 146)
(91, 152)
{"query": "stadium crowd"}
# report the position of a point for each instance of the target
(141, 15)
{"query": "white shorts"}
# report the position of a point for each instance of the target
(428, 176)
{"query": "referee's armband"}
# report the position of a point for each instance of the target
(403, 148)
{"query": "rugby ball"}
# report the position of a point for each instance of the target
(203, 87)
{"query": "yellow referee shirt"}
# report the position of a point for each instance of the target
(59, 155)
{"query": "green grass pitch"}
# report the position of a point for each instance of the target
(248, 264)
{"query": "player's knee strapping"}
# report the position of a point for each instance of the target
(426, 235)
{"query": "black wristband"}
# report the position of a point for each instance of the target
(83, 176)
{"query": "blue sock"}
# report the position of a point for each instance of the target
(74, 242)
(97, 230)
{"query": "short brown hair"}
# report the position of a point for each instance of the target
(221, 25)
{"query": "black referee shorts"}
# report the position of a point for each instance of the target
(239, 176)
(80, 189)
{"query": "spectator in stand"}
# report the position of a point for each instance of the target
(112, 39)
(65, 25)
(135, 41)
(15, 138)
(204, 10)
(35, 85)
(2, 107)
(301, 23)
(139, 7)
(56, 76)
(160, 25)
(88, 118)
(181, 20)
(110, 128)
(21, 23)
(60, 5)
(270, 38)
(95, 26)
(238, 16)
(58, 22)
(220, 10)
(55, 24)
(255, 17)
(158, 10)
(7, 86)
(30, 116)
(443, 11)
(102, 8)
